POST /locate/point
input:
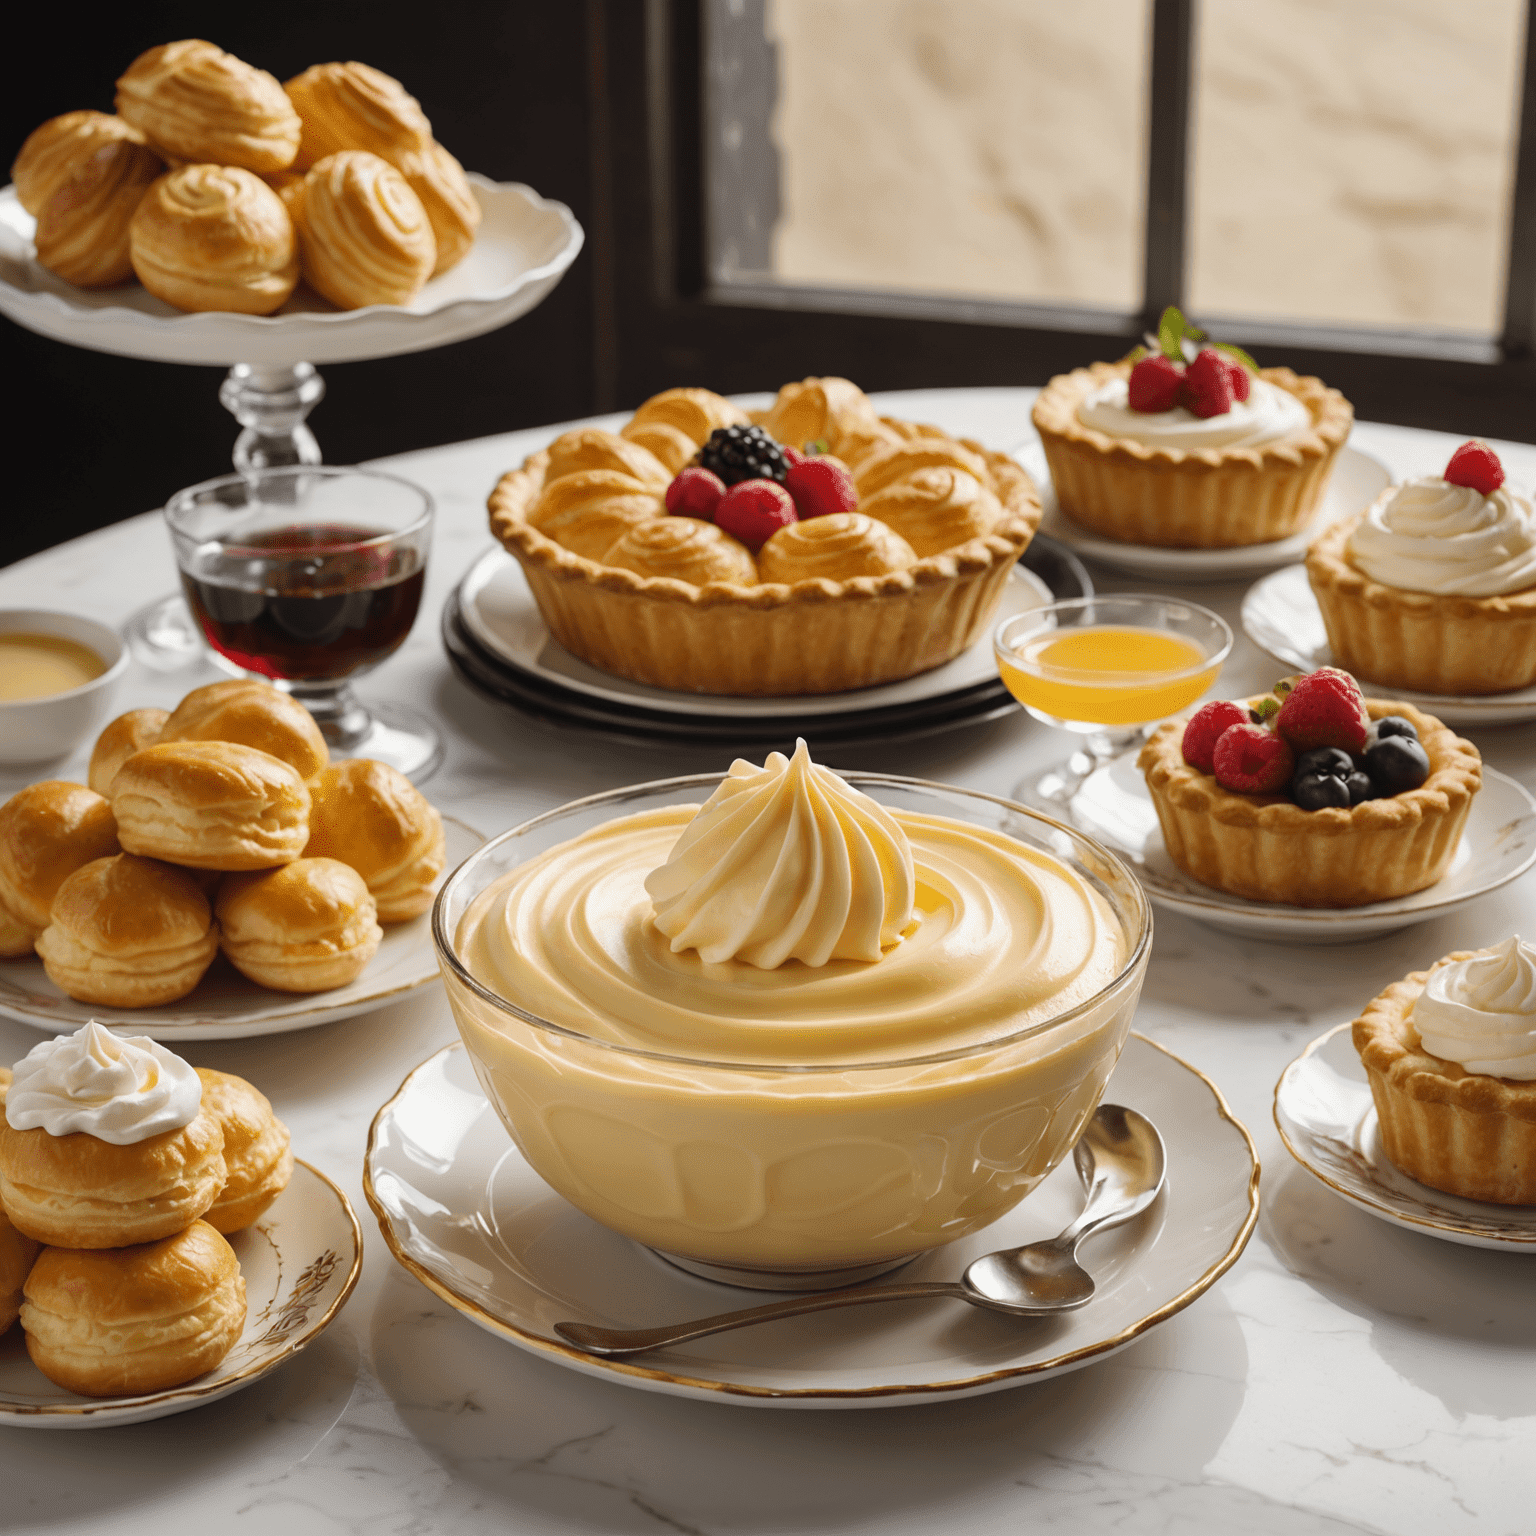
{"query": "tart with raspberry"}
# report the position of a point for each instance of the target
(1190, 445)
(1319, 798)
(814, 549)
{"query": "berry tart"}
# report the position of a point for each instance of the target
(1311, 796)
(1450, 1054)
(1433, 586)
(1189, 444)
(816, 549)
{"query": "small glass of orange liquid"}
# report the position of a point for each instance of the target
(1107, 668)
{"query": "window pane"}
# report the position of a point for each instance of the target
(1354, 160)
(965, 147)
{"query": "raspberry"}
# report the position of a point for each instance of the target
(1476, 466)
(1205, 729)
(1242, 385)
(1252, 761)
(754, 511)
(1208, 387)
(820, 486)
(1155, 385)
(1324, 709)
(695, 492)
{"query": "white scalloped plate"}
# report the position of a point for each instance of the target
(523, 247)
(1327, 1120)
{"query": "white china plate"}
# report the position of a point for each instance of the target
(1281, 616)
(1327, 1120)
(300, 1262)
(1498, 846)
(523, 247)
(1357, 480)
(462, 1211)
(225, 1006)
(501, 614)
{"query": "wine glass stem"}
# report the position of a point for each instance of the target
(340, 714)
(1100, 747)
(271, 404)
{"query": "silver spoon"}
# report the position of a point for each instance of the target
(1120, 1160)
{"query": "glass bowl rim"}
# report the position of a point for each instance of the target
(447, 956)
(178, 499)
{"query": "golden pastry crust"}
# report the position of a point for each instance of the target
(18, 1252)
(1213, 499)
(197, 104)
(354, 106)
(588, 511)
(886, 466)
(823, 410)
(47, 831)
(134, 1320)
(841, 546)
(258, 1155)
(77, 1191)
(445, 192)
(251, 714)
(682, 549)
(129, 733)
(591, 448)
(1458, 1131)
(1265, 848)
(214, 237)
(693, 412)
(365, 236)
(1420, 640)
(211, 805)
(307, 927)
(937, 508)
(128, 932)
(374, 820)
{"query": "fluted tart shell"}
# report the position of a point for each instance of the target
(1266, 848)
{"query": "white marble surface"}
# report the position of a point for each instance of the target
(1345, 1376)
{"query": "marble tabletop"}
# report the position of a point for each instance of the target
(1346, 1375)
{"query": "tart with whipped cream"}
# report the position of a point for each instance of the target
(1450, 1054)
(1433, 587)
(1190, 446)
(779, 594)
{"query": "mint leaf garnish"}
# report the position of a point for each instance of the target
(1170, 334)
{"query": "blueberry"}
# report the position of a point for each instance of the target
(1396, 764)
(1360, 787)
(1317, 791)
(1387, 726)
(1331, 762)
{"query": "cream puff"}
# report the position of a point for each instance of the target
(251, 714)
(354, 106)
(17, 1255)
(452, 208)
(124, 736)
(258, 1157)
(124, 1321)
(47, 832)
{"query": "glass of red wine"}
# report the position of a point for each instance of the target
(309, 576)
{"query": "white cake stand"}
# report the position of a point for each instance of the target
(524, 246)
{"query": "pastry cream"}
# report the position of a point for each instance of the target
(1481, 1012)
(1266, 416)
(794, 1030)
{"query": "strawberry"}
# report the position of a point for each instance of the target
(1476, 466)
(1208, 387)
(1155, 385)
(820, 486)
(695, 492)
(792, 456)
(1242, 385)
(1323, 709)
(754, 510)
(1205, 729)
(1252, 761)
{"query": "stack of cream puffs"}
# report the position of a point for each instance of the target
(220, 188)
(121, 1171)
(221, 825)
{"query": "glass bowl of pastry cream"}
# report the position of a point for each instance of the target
(790, 1028)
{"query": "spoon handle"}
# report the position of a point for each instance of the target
(615, 1342)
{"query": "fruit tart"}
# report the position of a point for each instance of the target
(1433, 586)
(1188, 444)
(1313, 795)
(816, 548)
(1450, 1054)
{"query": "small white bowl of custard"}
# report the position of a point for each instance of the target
(59, 674)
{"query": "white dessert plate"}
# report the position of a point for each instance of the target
(300, 1262)
(463, 1212)
(1498, 846)
(1281, 616)
(523, 247)
(1357, 480)
(225, 1006)
(500, 614)
(1327, 1120)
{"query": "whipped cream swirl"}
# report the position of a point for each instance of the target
(1266, 416)
(1481, 1013)
(117, 1089)
(1428, 535)
(786, 862)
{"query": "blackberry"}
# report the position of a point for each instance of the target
(743, 453)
